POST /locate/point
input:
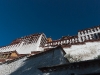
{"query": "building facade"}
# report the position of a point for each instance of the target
(67, 55)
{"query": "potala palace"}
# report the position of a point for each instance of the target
(38, 55)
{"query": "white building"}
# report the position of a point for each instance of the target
(27, 44)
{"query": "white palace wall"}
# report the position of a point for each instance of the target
(87, 51)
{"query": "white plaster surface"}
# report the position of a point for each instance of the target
(90, 50)
(7, 69)
(23, 47)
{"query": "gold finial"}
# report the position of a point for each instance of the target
(49, 39)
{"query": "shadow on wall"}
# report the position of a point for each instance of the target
(48, 58)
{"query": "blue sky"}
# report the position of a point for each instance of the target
(56, 18)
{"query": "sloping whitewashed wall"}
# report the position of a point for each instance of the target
(29, 66)
(7, 69)
(24, 47)
(87, 51)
